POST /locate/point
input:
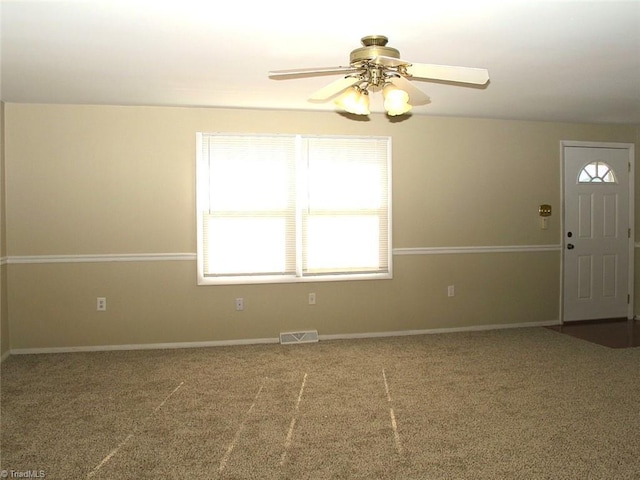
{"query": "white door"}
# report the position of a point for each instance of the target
(597, 240)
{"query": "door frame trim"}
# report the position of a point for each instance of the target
(630, 147)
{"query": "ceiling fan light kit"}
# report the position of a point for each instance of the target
(376, 67)
(354, 100)
(396, 100)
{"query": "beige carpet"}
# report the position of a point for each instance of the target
(507, 404)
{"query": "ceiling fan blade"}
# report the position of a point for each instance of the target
(388, 61)
(478, 76)
(308, 72)
(416, 96)
(333, 88)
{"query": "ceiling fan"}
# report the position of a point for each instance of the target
(374, 67)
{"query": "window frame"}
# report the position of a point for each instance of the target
(202, 206)
(598, 179)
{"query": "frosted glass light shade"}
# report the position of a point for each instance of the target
(354, 101)
(396, 100)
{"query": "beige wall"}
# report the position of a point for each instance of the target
(89, 180)
(4, 313)
(637, 232)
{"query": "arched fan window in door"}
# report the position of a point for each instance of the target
(597, 172)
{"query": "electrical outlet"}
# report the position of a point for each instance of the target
(239, 304)
(101, 304)
(312, 299)
(544, 223)
(451, 290)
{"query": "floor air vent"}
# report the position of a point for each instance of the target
(307, 336)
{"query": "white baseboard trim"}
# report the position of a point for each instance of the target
(257, 341)
(433, 331)
(144, 346)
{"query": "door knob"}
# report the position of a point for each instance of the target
(570, 246)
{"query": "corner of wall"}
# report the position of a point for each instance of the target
(4, 311)
(636, 299)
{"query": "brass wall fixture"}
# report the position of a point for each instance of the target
(544, 210)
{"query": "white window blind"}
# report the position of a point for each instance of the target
(285, 208)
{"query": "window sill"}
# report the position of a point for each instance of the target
(274, 279)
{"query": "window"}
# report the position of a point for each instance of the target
(291, 208)
(596, 172)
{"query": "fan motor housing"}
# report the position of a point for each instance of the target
(374, 46)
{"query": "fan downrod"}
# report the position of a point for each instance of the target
(374, 40)
(373, 46)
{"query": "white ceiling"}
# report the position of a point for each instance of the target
(576, 61)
